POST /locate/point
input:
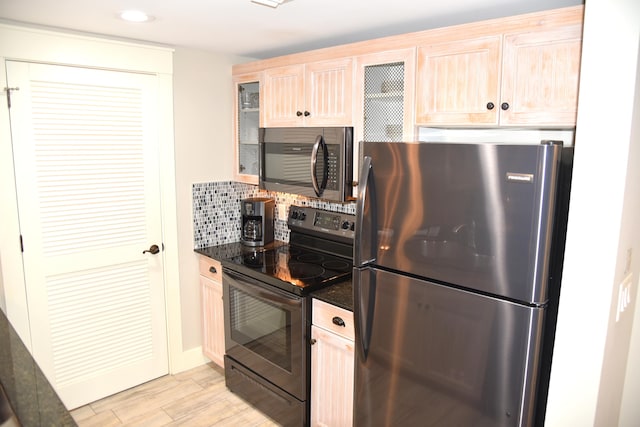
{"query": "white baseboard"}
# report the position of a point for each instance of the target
(188, 359)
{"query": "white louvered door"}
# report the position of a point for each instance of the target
(85, 150)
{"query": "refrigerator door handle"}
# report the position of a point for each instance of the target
(366, 235)
(364, 299)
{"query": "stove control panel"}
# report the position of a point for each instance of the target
(318, 221)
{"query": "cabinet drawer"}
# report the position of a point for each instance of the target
(211, 268)
(329, 317)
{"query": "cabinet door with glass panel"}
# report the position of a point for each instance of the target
(247, 121)
(385, 96)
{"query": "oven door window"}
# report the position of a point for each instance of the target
(261, 327)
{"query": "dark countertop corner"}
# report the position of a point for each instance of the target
(30, 395)
(338, 294)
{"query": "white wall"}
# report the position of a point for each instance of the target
(203, 96)
(629, 408)
(591, 351)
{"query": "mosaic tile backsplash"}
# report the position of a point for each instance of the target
(216, 211)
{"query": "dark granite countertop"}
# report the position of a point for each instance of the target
(339, 294)
(30, 395)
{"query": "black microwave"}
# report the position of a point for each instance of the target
(313, 162)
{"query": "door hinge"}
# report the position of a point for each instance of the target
(21, 244)
(8, 90)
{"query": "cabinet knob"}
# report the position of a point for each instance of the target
(298, 113)
(505, 106)
(312, 341)
(490, 105)
(338, 321)
(213, 270)
(307, 114)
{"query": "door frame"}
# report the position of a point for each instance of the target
(43, 46)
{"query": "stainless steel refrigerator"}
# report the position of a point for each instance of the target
(458, 257)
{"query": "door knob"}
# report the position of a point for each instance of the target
(153, 249)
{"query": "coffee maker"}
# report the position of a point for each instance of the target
(257, 221)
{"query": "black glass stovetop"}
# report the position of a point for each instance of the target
(292, 268)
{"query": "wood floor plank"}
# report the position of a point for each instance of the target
(82, 413)
(151, 402)
(198, 397)
(150, 388)
(103, 419)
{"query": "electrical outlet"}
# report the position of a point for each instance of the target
(282, 212)
(624, 295)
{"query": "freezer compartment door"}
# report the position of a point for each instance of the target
(477, 215)
(428, 354)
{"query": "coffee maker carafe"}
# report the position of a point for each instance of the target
(257, 221)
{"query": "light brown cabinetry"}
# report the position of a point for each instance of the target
(543, 70)
(212, 309)
(247, 121)
(514, 71)
(312, 94)
(384, 99)
(385, 96)
(332, 365)
(523, 78)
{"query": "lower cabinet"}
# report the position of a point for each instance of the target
(332, 365)
(212, 310)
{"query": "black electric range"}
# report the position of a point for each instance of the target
(319, 253)
(267, 311)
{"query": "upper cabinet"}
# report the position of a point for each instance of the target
(384, 94)
(313, 94)
(458, 82)
(542, 71)
(525, 78)
(247, 120)
(515, 71)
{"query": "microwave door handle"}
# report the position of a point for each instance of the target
(314, 160)
(325, 172)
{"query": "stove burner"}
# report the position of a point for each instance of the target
(301, 271)
(336, 265)
(291, 250)
(310, 257)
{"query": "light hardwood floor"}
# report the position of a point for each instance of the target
(197, 397)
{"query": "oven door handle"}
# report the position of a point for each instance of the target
(258, 289)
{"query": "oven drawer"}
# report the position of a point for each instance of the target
(211, 268)
(334, 319)
(271, 400)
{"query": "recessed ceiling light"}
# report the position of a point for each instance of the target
(135, 16)
(271, 3)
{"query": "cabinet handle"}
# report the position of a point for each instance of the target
(490, 105)
(505, 106)
(312, 341)
(213, 270)
(307, 114)
(298, 113)
(338, 321)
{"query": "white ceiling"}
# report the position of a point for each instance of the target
(244, 28)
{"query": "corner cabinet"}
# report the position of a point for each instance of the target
(313, 94)
(332, 366)
(212, 310)
(247, 121)
(520, 79)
